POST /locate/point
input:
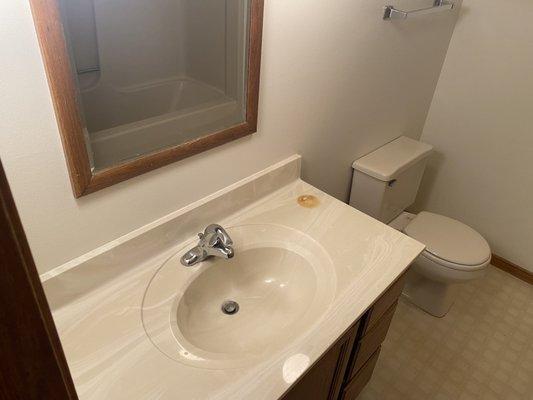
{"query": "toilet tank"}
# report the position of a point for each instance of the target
(385, 182)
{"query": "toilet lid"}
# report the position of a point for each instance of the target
(449, 239)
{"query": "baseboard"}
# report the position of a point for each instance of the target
(513, 269)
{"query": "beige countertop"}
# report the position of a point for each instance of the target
(97, 300)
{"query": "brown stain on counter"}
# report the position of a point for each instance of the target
(308, 201)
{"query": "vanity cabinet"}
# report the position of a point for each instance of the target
(324, 380)
(344, 370)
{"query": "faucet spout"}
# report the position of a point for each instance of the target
(214, 242)
(228, 252)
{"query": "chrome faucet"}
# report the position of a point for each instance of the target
(214, 242)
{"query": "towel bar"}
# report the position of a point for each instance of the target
(438, 6)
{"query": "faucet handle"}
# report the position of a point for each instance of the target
(214, 241)
(219, 233)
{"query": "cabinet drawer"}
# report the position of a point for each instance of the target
(386, 300)
(358, 382)
(372, 340)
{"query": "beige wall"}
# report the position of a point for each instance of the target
(337, 82)
(133, 40)
(205, 49)
(135, 44)
(481, 123)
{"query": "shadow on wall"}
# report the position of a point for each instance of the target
(428, 182)
(320, 177)
(465, 10)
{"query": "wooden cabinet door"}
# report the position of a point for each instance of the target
(324, 380)
(371, 341)
(359, 381)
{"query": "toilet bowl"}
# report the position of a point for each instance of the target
(384, 184)
(454, 254)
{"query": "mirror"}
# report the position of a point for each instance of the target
(138, 84)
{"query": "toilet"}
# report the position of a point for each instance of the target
(385, 182)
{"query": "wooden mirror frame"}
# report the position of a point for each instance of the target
(63, 88)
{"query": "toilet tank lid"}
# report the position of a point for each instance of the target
(387, 162)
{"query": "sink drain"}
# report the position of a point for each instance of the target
(230, 307)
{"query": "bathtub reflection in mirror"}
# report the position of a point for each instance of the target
(158, 73)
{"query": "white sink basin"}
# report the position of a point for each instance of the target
(273, 288)
(282, 280)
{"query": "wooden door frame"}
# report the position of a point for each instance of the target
(33, 364)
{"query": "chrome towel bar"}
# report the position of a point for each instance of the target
(438, 6)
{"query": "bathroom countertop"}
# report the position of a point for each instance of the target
(111, 356)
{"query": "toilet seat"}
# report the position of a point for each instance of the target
(449, 243)
(455, 266)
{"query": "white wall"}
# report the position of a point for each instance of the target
(80, 30)
(481, 123)
(133, 40)
(337, 82)
(205, 48)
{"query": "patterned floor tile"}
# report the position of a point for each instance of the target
(482, 349)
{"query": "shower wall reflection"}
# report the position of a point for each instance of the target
(156, 73)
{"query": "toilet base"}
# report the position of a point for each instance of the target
(436, 298)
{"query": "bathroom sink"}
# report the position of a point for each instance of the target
(230, 312)
(272, 287)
